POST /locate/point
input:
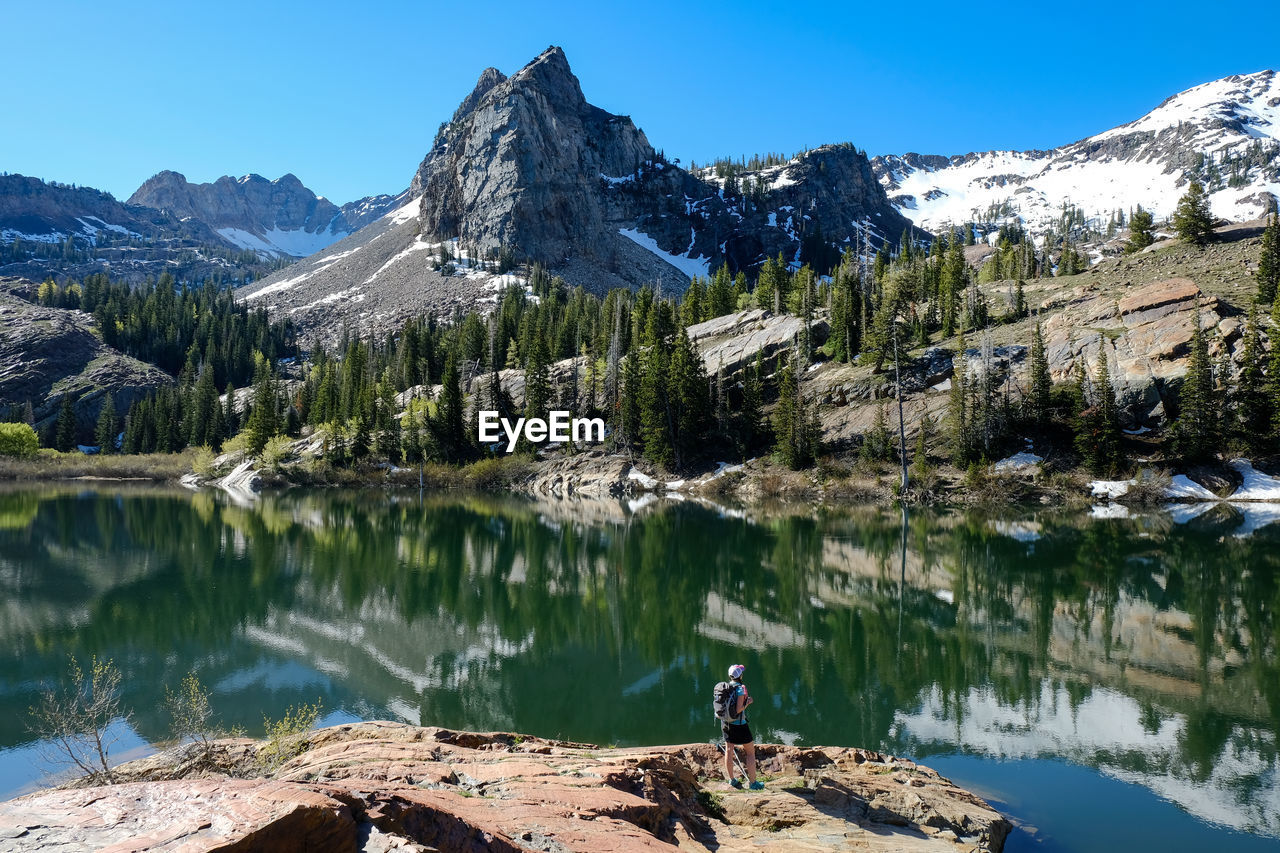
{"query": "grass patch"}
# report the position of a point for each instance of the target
(52, 465)
(712, 802)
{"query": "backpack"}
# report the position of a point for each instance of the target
(721, 699)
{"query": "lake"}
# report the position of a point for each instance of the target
(1110, 683)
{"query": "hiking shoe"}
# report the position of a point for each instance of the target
(737, 783)
(757, 786)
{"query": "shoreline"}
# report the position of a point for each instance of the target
(610, 475)
(379, 786)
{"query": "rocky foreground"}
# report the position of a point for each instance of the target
(386, 786)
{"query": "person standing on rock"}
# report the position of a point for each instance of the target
(737, 733)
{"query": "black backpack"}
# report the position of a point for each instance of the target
(720, 700)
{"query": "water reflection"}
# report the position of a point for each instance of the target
(1144, 647)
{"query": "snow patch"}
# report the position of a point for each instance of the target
(1018, 463)
(689, 266)
(1257, 486)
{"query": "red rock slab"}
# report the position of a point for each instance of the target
(179, 817)
(1155, 300)
(448, 821)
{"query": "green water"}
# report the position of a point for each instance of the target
(1110, 683)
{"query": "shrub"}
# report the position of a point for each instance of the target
(76, 717)
(18, 440)
(276, 450)
(190, 713)
(202, 462)
(238, 443)
(285, 736)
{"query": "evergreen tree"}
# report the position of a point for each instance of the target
(1191, 220)
(1039, 398)
(66, 426)
(749, 420)
(877, 443)
(204, 409)
(630, 398)
(447, 425)
(791, 428)
(1141, 231)
(1098, 427)
(108, 426)
(688, 380)
(1268, 274)
(1251, 402)
(264, 419)
(1195, 430)
(388, 425)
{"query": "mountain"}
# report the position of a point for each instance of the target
(280, 218)
(232, 229)
(49, 229)
(1225, 133)
(527, 170)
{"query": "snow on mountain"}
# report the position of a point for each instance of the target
(280, 218)
(1226, 133)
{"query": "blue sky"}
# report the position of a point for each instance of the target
(348, 97)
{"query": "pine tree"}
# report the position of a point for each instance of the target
(687, 378)
(1141, 231)
(108, 426)
(66, 426)
(447, 425)
(1192, 220)
(204, 405)
(629, 403)
(1195, 430)
(877, 443)
(1039, 399)
(1251, 402)
(1098, 427)
(264, 419)
(749, 419)
(787, 418)
(1268, 274)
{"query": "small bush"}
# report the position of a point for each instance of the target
(19, 441)
(190, 715)
(277, 449)
(238, 443)
(285, 737)
(76, 718)
(202, 461)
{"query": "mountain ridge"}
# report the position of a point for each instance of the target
(280, 217)
(1225, 133)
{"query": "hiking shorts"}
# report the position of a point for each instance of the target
(736, 733)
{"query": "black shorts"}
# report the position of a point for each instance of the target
(736, 733)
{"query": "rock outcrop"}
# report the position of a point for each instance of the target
(383, 786)
(48, 354)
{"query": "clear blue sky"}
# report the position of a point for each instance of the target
(348, 96)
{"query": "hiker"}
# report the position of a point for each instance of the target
(736, 731)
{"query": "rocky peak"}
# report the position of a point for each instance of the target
(520, 165)
(251, 203)
(489, 78)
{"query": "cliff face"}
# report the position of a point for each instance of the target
(526, 163)
(49, 353)
(384, 786)
(521, 163)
